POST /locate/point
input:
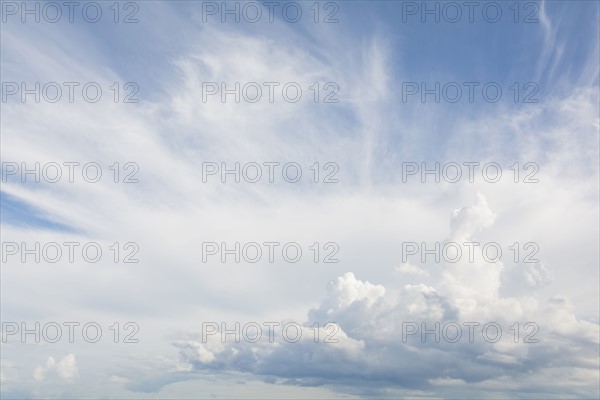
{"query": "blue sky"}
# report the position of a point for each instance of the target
(165, 139)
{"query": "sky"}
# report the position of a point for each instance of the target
(409, 209)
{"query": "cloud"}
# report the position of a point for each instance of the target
(65, 369)
(346, 290)
(410, 269)
(370, 212)
(372, 349)
(538, 274)
(467, 221)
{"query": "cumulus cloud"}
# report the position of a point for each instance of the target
(376, 344)
(467, 221)
(65, 369)
(346, 290)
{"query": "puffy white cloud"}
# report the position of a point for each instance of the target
(346, 290)
(376, 344)
(65, 369)
(467, 221)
